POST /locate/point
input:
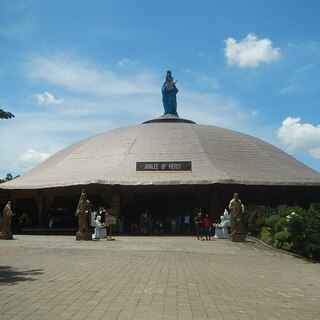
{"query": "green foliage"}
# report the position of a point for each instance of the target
(315, 238)
(256, 216)
(313, 246)
(282, 240)
(266, 235)
(282, 236)
(5, 114)
(260, 223)
(272, 221)
(312, 219)
(289, 228)
(8, 177)
(283, 210)
(252, 218)
(280, 225)
(295, 225)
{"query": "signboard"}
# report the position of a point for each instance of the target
(109, 220)
(164, 166)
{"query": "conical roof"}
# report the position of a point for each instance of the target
(215, 155)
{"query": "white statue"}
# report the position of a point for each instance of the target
(221, 229)
(100, 230)
(93, 218)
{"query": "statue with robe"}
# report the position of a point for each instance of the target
(83, 212)
(221, 229)
(100, 230)
(237, 216)
(169, 92)
(6, 232)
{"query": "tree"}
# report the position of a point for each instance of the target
(5, 114)
(9, 177)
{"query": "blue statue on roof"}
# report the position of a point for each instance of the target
(169, 92)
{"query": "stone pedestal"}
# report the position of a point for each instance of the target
(7, 236)
(238, 237)
(83, 236)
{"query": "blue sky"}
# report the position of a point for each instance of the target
(70, 69)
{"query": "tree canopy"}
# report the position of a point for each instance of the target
(5, 114)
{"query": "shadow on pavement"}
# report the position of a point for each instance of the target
(11, 276)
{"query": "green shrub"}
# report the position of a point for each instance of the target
(282, 236)
(312, 219)
(251, 222)
(315, 238)
(272, 221)
(282, 240)
(313, 246)
(260, 223)
(266, 235)
(284, 210)
(280, 225)
(295, 225)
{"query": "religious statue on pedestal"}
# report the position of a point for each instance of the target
(84, 213)
(169, 92)
(6, 233)
(237, 214)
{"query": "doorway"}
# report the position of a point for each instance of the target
(153, 208)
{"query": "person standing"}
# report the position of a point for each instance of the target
(199, 226)
(207, 224)
(50, 222)
(174, 226)
(186, 223)
(121, 226)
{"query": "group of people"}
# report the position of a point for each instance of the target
(204, 225)
(232, 221)
(173, 225)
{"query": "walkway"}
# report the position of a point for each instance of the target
(56, 277)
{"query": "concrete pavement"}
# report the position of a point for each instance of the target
(57, 277)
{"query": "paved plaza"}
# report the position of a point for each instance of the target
(57, 277)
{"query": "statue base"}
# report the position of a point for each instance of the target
(238, 237)
(83, 236)
(7, 236)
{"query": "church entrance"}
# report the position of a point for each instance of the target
(159, 213)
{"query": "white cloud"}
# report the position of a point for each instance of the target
(84, 116)
(123, 62)
(300, 137)
(315, 152)
(288, 89)
(32, 157)
(84, 77)
(47, 98)
(250, 52)
(213, 109)
(90, 109)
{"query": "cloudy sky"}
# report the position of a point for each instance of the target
(70, 69)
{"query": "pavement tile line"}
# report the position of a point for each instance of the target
(153, 278)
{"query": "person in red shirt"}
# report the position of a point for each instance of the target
(207, 224)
